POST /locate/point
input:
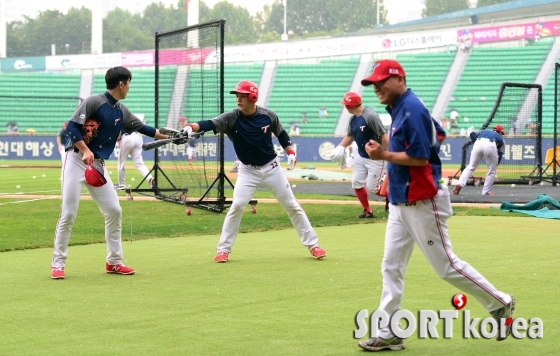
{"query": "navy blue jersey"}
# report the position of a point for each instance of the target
(367, 126)
(64, 135)
(102, 119)
(251, 135)
(494, 137)
(414, 132)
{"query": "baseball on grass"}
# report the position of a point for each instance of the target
(33, 177)
(43, 176)
(513, 185)
(293, 185)
(17, 186)
(132, 179)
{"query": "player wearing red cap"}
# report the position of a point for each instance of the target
(250, 129)
(489, 144)
(364, 125)
(419, 207)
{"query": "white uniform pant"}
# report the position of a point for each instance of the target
(482, 147)
(106, 197)
(424, 223)
(273, 178)
(132, 145)
(367, 172)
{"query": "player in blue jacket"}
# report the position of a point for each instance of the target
(419, 207)
(250, 129)
(490, 145)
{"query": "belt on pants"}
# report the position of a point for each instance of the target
(75, 149)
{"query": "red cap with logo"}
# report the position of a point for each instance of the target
(94, 174)
(382, 70)
(351, 100)
(499, 129)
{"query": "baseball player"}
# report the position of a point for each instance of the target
(94, 129)
(61, 140)
(365, 125)
(131, 144)
(419, 206)
(490, 145)
(250, 128)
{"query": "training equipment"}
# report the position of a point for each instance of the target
(351, 100)
(94, 174)
(552, 160)
(169, 131)
(517, 103)
(198, 94)
(179, 140)
(318, 252)
(338, 153)
(57, 273)
(247, 87)
(119, 269)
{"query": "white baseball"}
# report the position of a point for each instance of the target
(132, 179)
(542, 183)
(293, 185)
(17, 186)
(110, 172)
(513, 185)
(33, 177)
(43, 176)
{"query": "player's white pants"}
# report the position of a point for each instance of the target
(425, 224)
(368, 173)
(483, 147)
(106, 197)
(191, 153)
(273, 178)
(132, 145)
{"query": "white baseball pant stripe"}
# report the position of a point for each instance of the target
(483, 147)
(132, 145)
(273, 178)
(368, 173)
(425, 224)
(106, 197)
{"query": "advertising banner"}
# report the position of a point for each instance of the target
(536, 31)
(22, 64)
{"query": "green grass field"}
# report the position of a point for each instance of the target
(272, 298)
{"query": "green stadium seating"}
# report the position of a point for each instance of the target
(486, 69)
(38, 101)
(299, 88)
(548, 105)
(141, 97)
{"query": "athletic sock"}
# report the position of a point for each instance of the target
(362, 195)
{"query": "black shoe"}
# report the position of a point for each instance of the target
(366, 215)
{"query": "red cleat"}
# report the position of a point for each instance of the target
(119, 268)
(57, 273)
(221, 257)
(318, 252)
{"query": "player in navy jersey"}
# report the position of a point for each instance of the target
(419, 207)
(93, 130)
(490, 145)
(364, 125)
(250, 129)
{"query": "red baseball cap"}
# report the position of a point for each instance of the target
(499, 129)
(382, 70)
(351, 100)
(94, 174)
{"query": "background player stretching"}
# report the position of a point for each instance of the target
(250, 128)
(490, 145)
(94, 129)
(131, 144)
(419, 206)
(365, 125)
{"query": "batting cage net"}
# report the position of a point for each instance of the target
(518, 109)
(191, 173)
(552, 157)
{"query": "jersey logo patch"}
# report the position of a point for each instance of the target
(117, 121)
(362, 128)
(89, 130)
(265, 128)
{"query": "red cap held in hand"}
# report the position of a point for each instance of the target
(94, 174)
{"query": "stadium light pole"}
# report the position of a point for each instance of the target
(285, 34)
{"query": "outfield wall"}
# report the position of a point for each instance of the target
(308, 149)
